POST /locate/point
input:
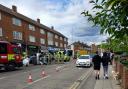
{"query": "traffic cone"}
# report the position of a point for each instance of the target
(43, 73)
(29, 78)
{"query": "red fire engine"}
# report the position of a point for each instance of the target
(10, 56)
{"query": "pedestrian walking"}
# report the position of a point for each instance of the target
(105, 62)
(26, 61)
(96, 64)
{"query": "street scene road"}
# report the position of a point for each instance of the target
(63, 44)
(56, 76)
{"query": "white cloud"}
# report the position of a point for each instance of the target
(64, 15)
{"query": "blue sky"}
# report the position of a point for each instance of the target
(64, 15)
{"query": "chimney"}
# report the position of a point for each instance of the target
(38, 20)
(52, 27)
(14, 8)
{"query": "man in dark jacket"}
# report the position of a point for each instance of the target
(105, 61)
(96, 64)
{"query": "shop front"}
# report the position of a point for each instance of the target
(32, 49)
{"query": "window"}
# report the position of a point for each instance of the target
(16, 21)
(65, 45)
(65, 39)
(1, 34)
(42, 41)
(50, 35)
(56, 43)
(32, 39)
(31, 27)
(3, 48)
(60, 38)
(61, 45)
(84, 57)
(42, 31)
(17, 35)
(56, 36)
(50, 42)
(50, 38)
(0, 15)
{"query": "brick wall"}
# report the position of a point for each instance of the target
(8, 28)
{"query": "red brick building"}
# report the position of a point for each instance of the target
(31, 35)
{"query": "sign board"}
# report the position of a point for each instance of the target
(44, 49)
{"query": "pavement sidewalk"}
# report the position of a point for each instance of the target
(107, 83)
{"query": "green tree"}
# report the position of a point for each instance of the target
(111, 16)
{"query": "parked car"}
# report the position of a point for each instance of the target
(84, 61)
(33, 60)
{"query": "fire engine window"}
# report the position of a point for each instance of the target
(16, 50)
(3, 48)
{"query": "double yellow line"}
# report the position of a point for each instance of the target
(84, 76)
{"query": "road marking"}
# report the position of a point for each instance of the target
(35, 81)
(80, 68)
(39, 80)
(75, 85)
(3, 77)
(60, 67)
(84, 76)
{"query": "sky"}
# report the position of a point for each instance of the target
(64, 15)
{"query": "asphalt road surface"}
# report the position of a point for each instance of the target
(55, 76)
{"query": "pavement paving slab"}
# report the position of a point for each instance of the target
(107, 83)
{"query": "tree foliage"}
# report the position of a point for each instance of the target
(111, 16)
(116, 44)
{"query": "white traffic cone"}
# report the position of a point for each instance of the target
(43, 73)
(29, 78)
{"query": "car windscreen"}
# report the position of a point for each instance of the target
(84, 57)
